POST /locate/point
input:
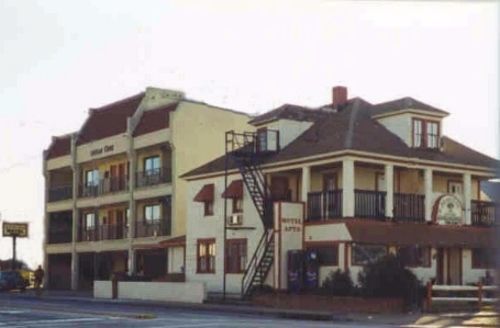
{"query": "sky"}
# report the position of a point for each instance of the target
(58, 58)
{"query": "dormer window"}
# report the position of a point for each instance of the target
(425, 133)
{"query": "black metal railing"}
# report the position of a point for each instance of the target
(324, 205)
(105, 186)
(484, 213)
(112, 231)
(88, 234)
(409, 207)
(369, 204)
(60, 236)
(60, 193)
(153, 177)
(153, 228)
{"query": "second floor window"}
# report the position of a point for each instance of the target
(151, 213)
(92, 178)
(425, 134)
(237, 205)
(152, 165)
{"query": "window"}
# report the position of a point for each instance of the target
(483, 258)
(237, 205)
(364, 254)
(327, 255)
(425, 133)
(236, 255)
(92, 178)
(152, 165)
(206, 256)
(151, 213)
(208, 208)
(455, 187)
(89, 221)
(415, 256)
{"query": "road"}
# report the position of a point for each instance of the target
(19, 312)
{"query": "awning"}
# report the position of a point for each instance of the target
(404, 234)
(206, 194)
(234, 190)
(173, 242)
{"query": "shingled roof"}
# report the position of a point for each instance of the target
(353, 128)
(109, 120)
(154, 120)
(60, 146)
(402, 104)
(288, 111)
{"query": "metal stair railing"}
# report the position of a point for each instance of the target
(256, 261)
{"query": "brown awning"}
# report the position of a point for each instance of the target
(402, 234)
(234, 190)
(173, 242)
(206, 194)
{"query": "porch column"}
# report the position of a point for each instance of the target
(428, 194)
(306, 183)
(74, 270)
(348, 188)
(389, 187)
(467, 197)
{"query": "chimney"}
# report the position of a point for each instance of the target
(339, 96)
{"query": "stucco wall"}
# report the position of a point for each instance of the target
(187, 292)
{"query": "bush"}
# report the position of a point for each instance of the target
(387, 277)
(338, 283)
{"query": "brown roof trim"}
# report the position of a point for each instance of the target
(154, 120)
(60, 146)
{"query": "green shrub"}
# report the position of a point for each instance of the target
(338, 283)
(387, 277)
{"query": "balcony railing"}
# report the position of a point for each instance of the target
(409, 207)
(484, 213)
(324, 205)
(105, 186)
(369, 204)
(60, 193)
(60, 236)
(152, 228)
(103, 232)
(153, 177)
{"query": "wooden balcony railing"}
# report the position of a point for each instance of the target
(369, 204)
(324, 205)
(105, 186)
(153, 228)
(409, 207)
(153, 177)
(484, 213)
(60, 193)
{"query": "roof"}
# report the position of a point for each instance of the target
(60, 146)
(389, 233)
(353, 128)
(492, 189)
(154, 120)
(402, 104)
(109, 120)
(288, 111)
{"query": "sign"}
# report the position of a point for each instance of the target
(448, 210)
(15, 229)
(99, 151)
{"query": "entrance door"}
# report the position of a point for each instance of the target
(454, 266)
(280, 189)
(440, 267)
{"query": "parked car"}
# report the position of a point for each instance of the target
(11, 280)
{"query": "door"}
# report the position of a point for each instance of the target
(280, 189)
(454, 266)
(329, 182)
(120, 224)
(121, 176)
(113, 178)
(330, 199)
(381, 189)
(440, 267)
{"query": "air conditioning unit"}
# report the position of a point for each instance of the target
(235, 219)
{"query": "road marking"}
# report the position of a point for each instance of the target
(12, 312)
(45, 321)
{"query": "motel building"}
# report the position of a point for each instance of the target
(348, 182)
(113, 199)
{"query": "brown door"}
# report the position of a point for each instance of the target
(440, 267)
(121, 176)
(113, 177)
(280, 189)
(454, 266)
(120, 224)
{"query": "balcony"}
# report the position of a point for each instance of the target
(152, 228)
(484, 213)
(409, 207)
(324, 205)
(60, 193)
(369, 204)
(105, 186)
(103, 232)
(153, 177)
(60, 236)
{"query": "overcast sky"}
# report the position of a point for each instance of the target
(59, 58)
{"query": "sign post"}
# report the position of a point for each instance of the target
(14, 230)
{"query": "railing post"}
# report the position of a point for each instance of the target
(429, 295)
(480, 294)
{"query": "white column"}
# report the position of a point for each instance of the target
(389, 188)
(428, 194)
(347, 188)
(306, 183)
(467, 197)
